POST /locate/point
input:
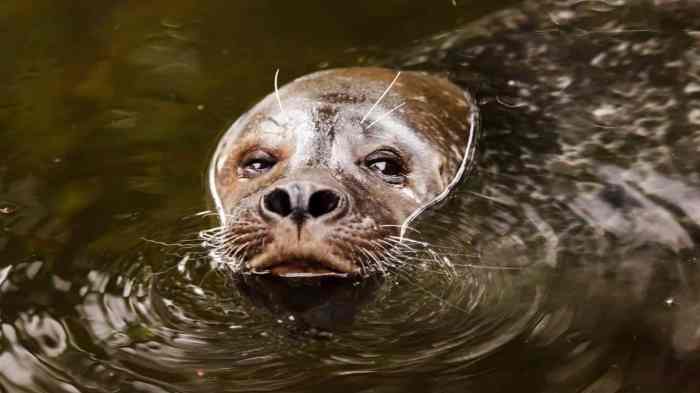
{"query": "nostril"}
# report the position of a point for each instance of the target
(278, 202)
(323, 202)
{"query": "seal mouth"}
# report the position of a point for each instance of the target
(299, 268)
(302, 263)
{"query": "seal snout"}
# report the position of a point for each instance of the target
(301, 201)
(300, 215)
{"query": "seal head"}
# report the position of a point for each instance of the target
(317, 177)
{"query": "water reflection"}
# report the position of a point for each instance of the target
(315, 304)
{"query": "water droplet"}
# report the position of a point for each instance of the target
(563, 15)
(7, 209)
(197, 290)
(694, 117)
(563, 82)
(59, 283)
(510, 102)
(604, 110)
(33, 268)
(692, 87)
(4, 273)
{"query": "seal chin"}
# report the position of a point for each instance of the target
(301, 261)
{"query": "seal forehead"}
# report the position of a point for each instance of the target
(426, 113)
(342, 97)
(434, 106)
(357, 86)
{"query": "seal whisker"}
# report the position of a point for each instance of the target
(235, 236)
(382, 117)
(440, 298)
(442, 266)
(370, 255)
(203, 213)
(242, 244)
(213, 233)
(387, 253)
(160, 243)
(458, 254)
(400, 226)
(392, 259)
(407, 253)
(380, 97)
(398, 239)
(376, 262)
(392, 248)
(231, 235)
(488, 267)
(394, 256)
(277, 91)
(231, 256)
(489, 198)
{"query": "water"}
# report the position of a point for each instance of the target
(109, 113)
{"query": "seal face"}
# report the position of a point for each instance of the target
(316, 178)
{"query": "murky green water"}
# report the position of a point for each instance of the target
(109, 112)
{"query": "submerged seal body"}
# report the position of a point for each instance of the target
(590, 107)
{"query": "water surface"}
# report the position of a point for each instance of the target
(109, 112)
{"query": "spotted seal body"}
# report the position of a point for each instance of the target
(592, 105)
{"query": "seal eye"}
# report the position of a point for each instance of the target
(388, 165)
(256, 163)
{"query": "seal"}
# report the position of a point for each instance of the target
(318, 177)
(584, 124)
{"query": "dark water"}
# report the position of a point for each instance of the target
(109, 112)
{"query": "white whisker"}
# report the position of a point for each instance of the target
(380, 97)
(401, 226)
(489, 198)
(277, 91)
(382, 117)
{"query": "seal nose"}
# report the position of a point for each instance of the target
(301, 200)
